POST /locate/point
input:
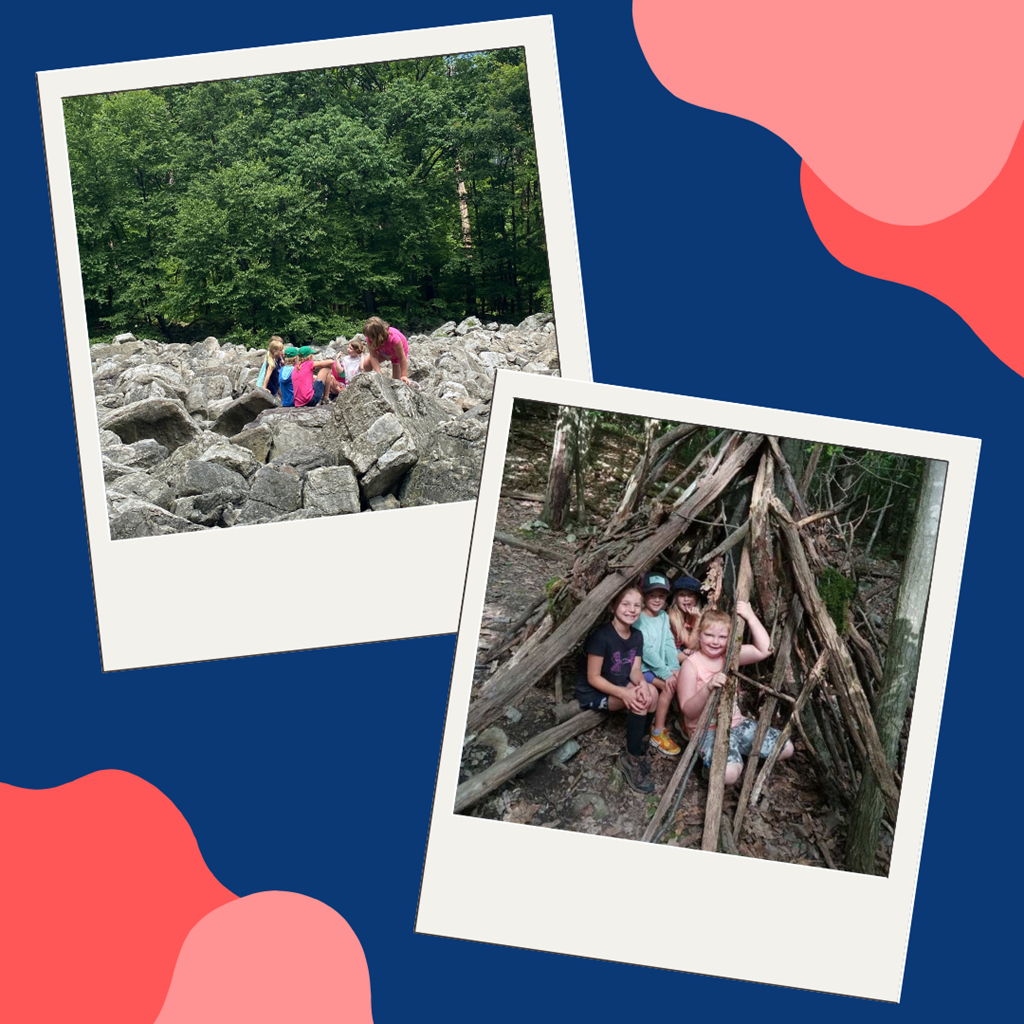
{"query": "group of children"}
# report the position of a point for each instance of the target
(300, 380)
(659, 645)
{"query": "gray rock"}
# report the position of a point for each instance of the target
(496, 739)
(390, 467)
(208, 508)
(331, 491)
(137, 518)
(198, 477)
(234, 457)
(144, 486)
(108, 438)
(384, 502)
(280, 487)
(163, 419)
(450, 471)
(258, 439)
(243, 410)
(569, 749)
(305, 459)
(141, 455)
(514, 715)
(594, 801)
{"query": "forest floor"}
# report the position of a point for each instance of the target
(578, 787)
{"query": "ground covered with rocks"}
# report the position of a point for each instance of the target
(190, 443)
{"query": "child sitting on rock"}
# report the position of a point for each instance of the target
(660, 660)
(386, 343)
(611, 680)
(704, 671)
(310, 378)
(270, 370)
(352, 359)
(684, 614)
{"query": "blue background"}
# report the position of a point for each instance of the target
(702, 275)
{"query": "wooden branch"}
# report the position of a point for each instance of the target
(515, 542)
(780, 674)
(766, 769)
(846, 676)
(507, 684)
(682, 768)
(730, 542)
(508, 637)
(720, 751)
(760, 537)
(777, 694)
(478, 786)
(523, 496)
(787, 478)
(663, 494)
(814, 517)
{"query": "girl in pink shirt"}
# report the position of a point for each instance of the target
(384, 343)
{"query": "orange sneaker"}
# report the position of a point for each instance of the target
(663, 742)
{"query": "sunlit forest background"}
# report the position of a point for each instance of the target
(298, 204)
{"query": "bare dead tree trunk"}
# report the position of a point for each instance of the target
(900, 664)
(556, 496)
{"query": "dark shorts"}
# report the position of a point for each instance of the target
(741, 740)
(318, 393)
(595, 703)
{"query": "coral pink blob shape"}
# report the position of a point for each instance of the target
(267, 958)
(101, 879)
(906, 109)
(973, 261)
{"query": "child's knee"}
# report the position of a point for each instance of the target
(787, 751)
(733, 771)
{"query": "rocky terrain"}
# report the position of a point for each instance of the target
(190, 443)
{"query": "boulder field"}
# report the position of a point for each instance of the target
(190, 443)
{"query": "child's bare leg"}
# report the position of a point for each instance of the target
(661, 715)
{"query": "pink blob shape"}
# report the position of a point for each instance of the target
(101, 880)
(267, 958)
(906, 109)
(972, 261)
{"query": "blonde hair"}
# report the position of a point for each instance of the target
(712, 616)
(684, 624)
(376, 331)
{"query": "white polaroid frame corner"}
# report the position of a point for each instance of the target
(863, 954)
(171, 568)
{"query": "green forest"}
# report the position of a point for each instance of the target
(298, 204)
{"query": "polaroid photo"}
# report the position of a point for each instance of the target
(389, 218)
(628, 546)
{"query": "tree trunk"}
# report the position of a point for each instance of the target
(556, 497)
(900, 664)
(634, 492)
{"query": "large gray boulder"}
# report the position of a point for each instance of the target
(450, 470)
(331, 491)
(165, 420)
(137, 518)
(244, 410)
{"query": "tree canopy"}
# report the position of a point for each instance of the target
(298, 204)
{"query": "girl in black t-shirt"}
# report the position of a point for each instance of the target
(612, 680)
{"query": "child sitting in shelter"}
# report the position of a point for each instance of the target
(386, 343)
(704, 671)
(684, 614)
(611, 680)
(660, 660)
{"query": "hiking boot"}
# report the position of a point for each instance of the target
(663, 742)
(637, 772)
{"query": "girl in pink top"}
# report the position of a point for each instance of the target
(704, 671)
(384, 343)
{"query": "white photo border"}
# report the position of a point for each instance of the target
(436, 536)
(861, 950)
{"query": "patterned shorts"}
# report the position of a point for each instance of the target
(741, 740)
(597, 704)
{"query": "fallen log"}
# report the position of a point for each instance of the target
(479, 785)
(515, 542)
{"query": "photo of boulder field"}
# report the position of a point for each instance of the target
(189, 442)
